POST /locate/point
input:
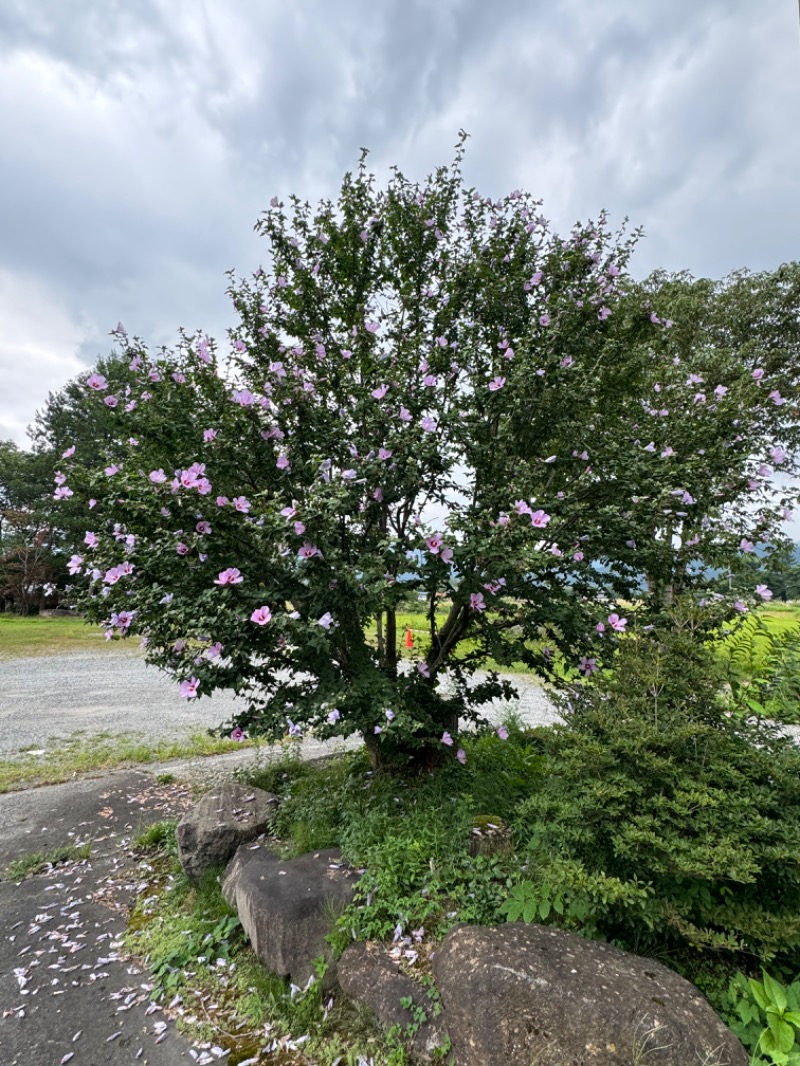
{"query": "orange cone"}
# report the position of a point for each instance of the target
(409, 639)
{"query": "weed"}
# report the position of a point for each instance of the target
(39, 862)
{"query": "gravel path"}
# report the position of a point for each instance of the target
(46, 698)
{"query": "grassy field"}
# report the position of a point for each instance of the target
(23, 637)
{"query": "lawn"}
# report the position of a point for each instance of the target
(22, 637)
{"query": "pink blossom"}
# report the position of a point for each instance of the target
(390, 715)
(544, 320)
(740, 607)
(424, 669)
(384, 453)
(75, 564)
(521, 507)
(91, 540)
(587, 666)
(503, 519)
(182, 549)
(758, 374)
(476, 601)
(242, 504)
(62, 493)
(230, 576)
(110, 401)
(238, 734)
(745, 545)
(776, 398)
(203, 527)
(111, 470)
(539, 519)
(189, 688)
(404, 415)
(69, 452)
(764, 592)
(377, 730)
(447, 739)
(96, 382)
(334, 716)
(308, 551)
(434, 543)
(209, 434)
(777, 454)
(380, 392)
(578, 556)
(446, 555)
(213, 651)
(261, 615)
(378, 494)
(326, 621)
(429, 424)
(461, 755)
(618, 624)
(112, 576)
(372, 327)
(600, 627)
(502, 732)
(496, 383)
(222, 501)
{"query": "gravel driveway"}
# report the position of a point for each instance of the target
(50, 697)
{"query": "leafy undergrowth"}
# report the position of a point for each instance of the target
(40, 861)
(84, 754)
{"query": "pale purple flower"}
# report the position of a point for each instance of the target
(111, 469)
(521, 507)
(167, 598)
(308, 551)
(242, 504)
(90, 539)
(189, 688)
(503, 519)
(130, 405)
(764, 592)
(384, 453)
(373, 327)
(326, 621)
(447, 739)
(777, 454)
(213, 651)
(603, 313)
(434, 543)
(502, 732)
(238, 734)
(758, 374)
(96, 382)
(446, 555)
(182, 549)
(75, 564)
(428, 424)
(496, 383)
(203, 527)
(380, 392)
(390, 715)
(740, 607)
(776, 398)
(348, 475)
(230, 576)
(587, 666)
(404, 415)
(720, 391)
(578, 556)
(299, 528)
(294, 729)
(544, 320)
(209, 434)
(261, 615)
(461, 755)
(110, 401)
(62, 493)
(745, 545)
(539, 519)
(204, 351)
(334, 716)
(423, 669)
(378, 729)
(477, 602)
(600, 627)
(222, 501)
(288, 512)
(69, 452)
(617, 624)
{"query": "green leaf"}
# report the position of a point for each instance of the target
(775, 990)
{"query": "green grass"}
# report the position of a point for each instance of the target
(85, 754)
(39, 861)
(22, 637)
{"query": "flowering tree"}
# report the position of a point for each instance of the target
(428, 395)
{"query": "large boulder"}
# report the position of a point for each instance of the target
(370, 977)
(519, 994)
(288, 906)
(225, 818)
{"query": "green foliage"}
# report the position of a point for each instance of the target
(160, 836)
(41, 861)
(664, 822)
(762, 669)
(765, 1015)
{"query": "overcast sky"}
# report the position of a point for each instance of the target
(141, 139)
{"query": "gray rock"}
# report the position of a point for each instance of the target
(368, 976)
(520, 994)
(226, 817)
(288, 906)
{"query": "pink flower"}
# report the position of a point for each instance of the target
(405, 414)
(477, 602)
(372, 327)
(617, 624)
(282, 463)
(261, 616)
(776, 398)
(521, 507)
(334, 716)
(203, 527)
(308, 551)
(213, 651)
(503, 519)
(111, 470)
(539, 519)
(758, 374)
(544, 320)
(62, 493)
(446, 555)
(424, 669)
(740, 607)
(429, 424)
(578, 556)
(502, 732)
(326, 621)
(231, 576)
(110, 401)
(447, 739)
(745, 545)
(209, 434)
(75, 564)
(242, 504)
(96, 382)
(222, 501)
(68, 453)
(587, 666)
(434, 543)
(189, 688)
(777, 455)
(91, 540)
(380, 392)
(461, 755)
(600, 627)
(496, 383)
(238, 734)
(764, 592)
(182, 549)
